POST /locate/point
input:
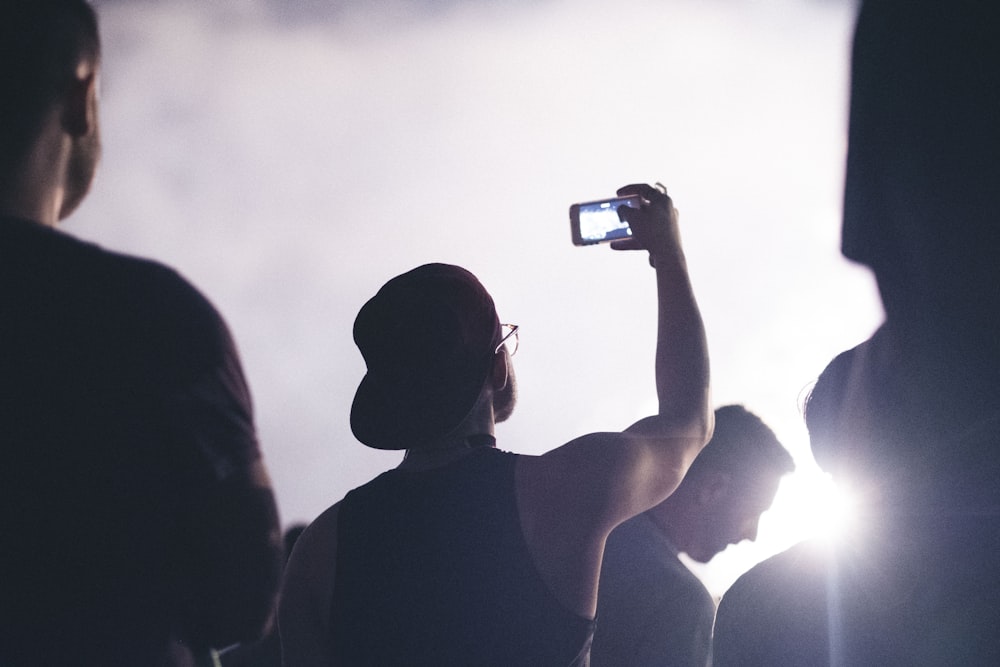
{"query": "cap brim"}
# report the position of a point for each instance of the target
(392, 419)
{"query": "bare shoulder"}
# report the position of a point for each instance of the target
(324, 523)
(571, 497)
(576, 482)
(318, 541)
(564, 515)
(604, 478)
(315, 552)
(591, 458)
(307, 592)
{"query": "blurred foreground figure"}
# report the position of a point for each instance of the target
(266, 651)
(466, 554)
(911, 418)
(137, 524)
(651, 609)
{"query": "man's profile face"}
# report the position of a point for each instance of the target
(732, 516)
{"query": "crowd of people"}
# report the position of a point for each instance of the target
(138, 525)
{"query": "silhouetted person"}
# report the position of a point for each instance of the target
(792, 608)
(919, 406)
(651, 609)
(466, 554)
(921, 209)
(137, 524)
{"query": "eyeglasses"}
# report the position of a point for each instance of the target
(508, 339)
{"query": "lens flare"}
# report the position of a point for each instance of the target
(837, 511)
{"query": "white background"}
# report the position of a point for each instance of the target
(289, 157)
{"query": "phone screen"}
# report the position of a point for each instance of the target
(597, 221)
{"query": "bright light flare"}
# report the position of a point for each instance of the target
(811, 505)
(838, 511)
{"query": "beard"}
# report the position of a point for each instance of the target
(505, 399)
(80, 171)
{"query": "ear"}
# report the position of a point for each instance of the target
(500, 371)
(80, 110)
(715, 486)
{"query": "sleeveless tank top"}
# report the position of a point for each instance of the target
(433, 569)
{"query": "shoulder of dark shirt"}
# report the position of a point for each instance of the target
(139, 308)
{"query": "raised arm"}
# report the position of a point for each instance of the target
(682, 366)
(573, 496)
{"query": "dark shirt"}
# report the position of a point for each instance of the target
(433, 569)
(778, 613)
(923, 592)
(651, 609)
(126, 435)
(915, 581)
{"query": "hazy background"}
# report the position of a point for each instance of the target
(289, 156)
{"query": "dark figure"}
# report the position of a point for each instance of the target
(137, 524)
(789, 609)
(266, 651)
(466, 554)
(652, 609)
(913, 415)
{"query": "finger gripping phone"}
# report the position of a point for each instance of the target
(597, 221)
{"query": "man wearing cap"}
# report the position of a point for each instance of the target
(466, 554)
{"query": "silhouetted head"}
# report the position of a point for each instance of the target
(921, 201)
(857, 425)
(429, 338)
(833, 433)
(730, 484)
(42, 46)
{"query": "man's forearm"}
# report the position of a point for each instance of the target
(682, 365)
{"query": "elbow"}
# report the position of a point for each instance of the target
(693, 419)
(700, 431)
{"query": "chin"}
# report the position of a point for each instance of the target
(703, 556)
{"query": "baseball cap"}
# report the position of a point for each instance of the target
(428, 338)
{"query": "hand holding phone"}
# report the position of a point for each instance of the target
(641, 217)
(654, 224)
(599, 222)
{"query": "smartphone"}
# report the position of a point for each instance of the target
(597, 221)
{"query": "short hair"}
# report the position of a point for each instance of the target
(823, 406)
(41, 43)
(743, 446)
(866, 440)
